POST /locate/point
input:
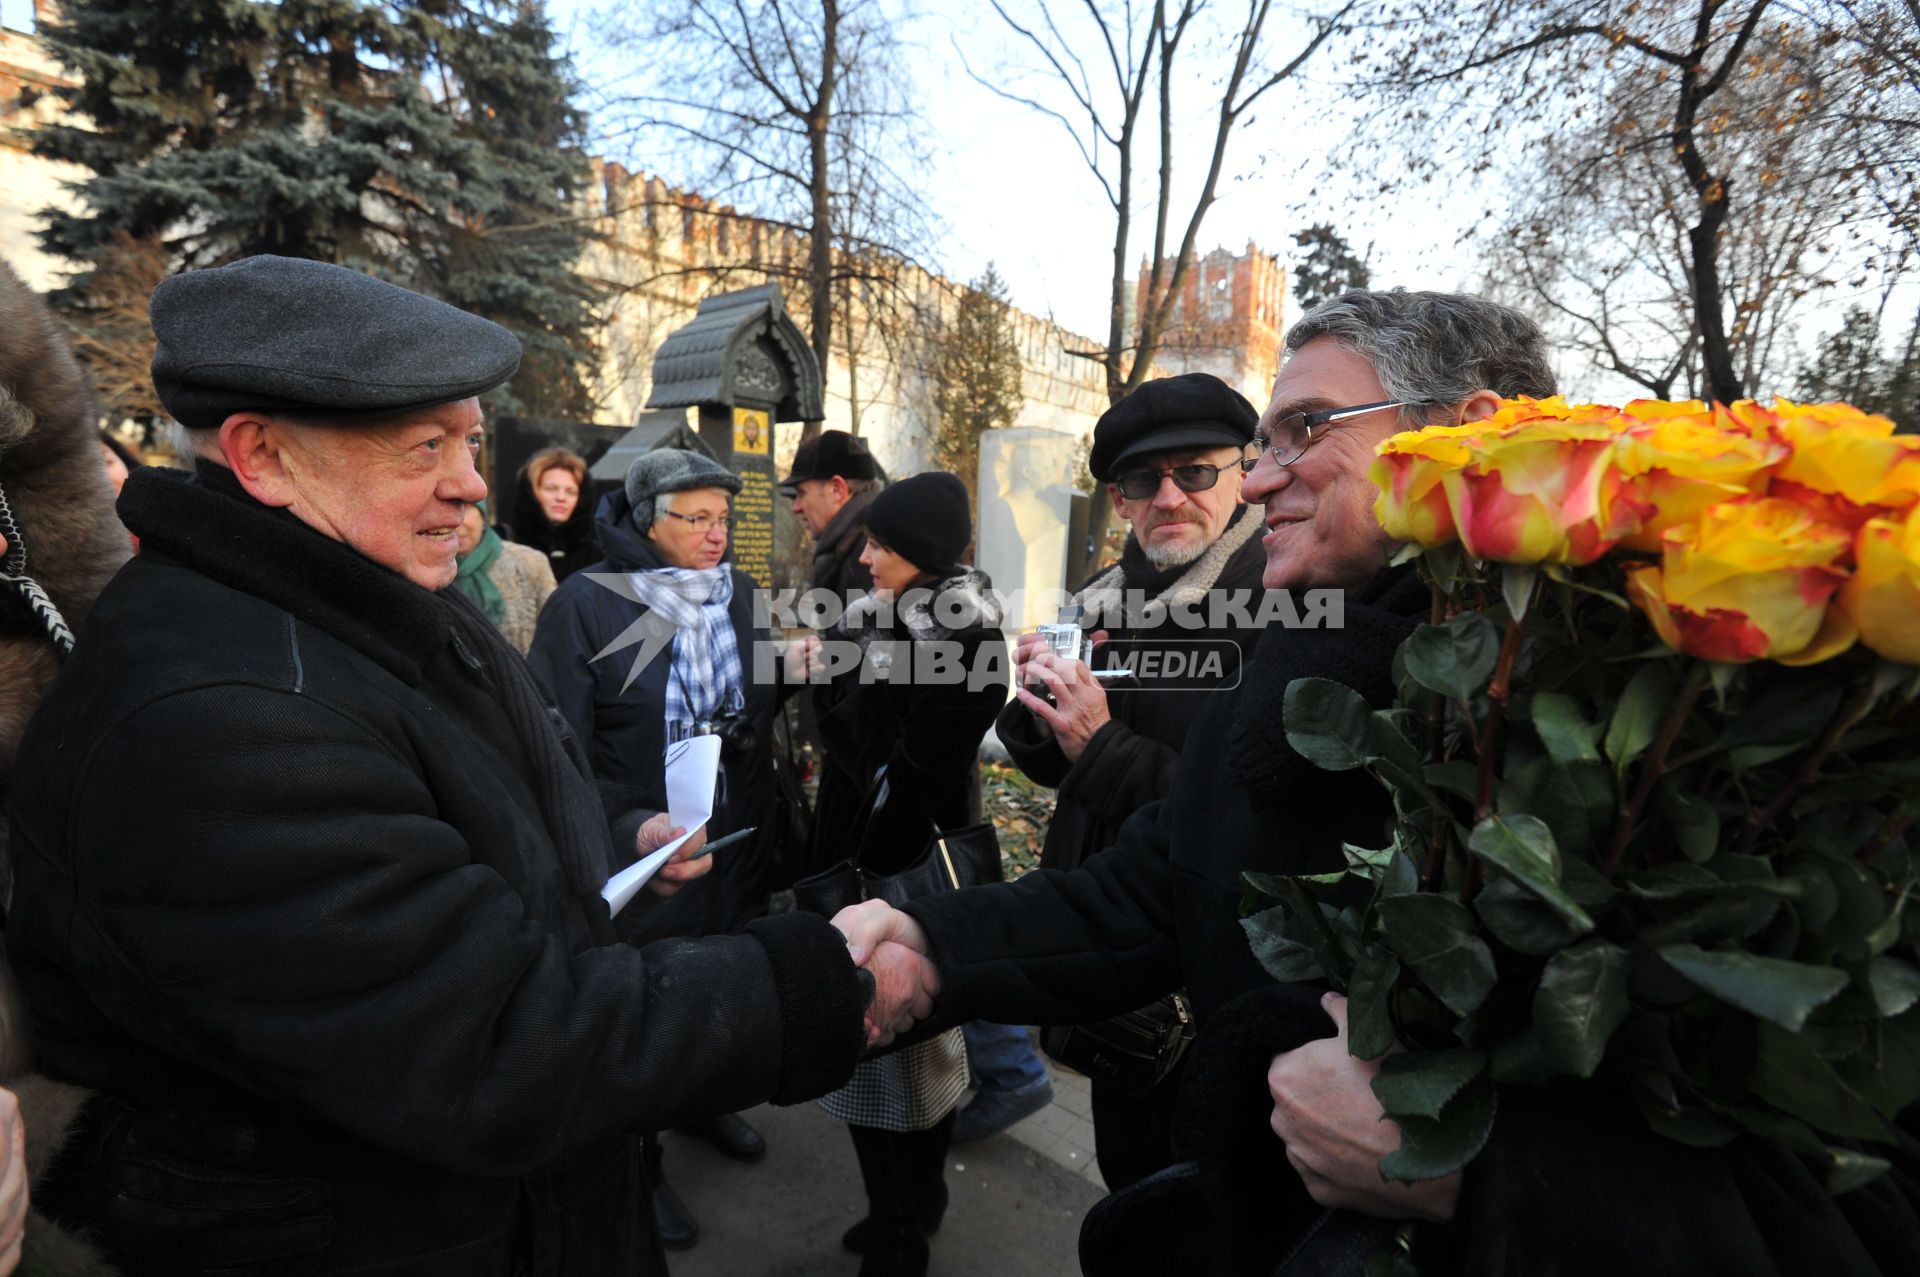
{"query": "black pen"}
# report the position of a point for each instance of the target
(729, 840)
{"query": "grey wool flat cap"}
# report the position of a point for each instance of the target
(286, 334)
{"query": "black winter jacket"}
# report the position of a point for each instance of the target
(926, 733)
(286, 899)
(1130, 762)
(1572, 1181)
(624, 727)
(836, 562)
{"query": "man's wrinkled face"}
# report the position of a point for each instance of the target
(816, 501)
(397, 492)
(1176, 527)
(1321, 531)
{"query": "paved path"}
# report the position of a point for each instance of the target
(1017, 1198)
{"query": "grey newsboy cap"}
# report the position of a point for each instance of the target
(672, 470)
(286, 334)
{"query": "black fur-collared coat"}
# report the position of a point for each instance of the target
(290, 904)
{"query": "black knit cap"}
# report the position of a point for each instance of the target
(925, 520)
(1193, 410)
(286, 334)
(829, 453)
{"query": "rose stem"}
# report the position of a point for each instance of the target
(1851, 711)
(1655, 765)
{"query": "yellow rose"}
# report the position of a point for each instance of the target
(1751, 579)
(1412, 505)
(1882, 598)
(1543, 490)
(1683, 457)
(1839, 451)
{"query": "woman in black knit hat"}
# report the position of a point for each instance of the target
(932, 676)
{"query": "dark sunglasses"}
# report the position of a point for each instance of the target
(1138, 485)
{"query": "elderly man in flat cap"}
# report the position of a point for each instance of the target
(309, 874)
(1169, 454)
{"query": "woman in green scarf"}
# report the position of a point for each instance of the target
(508, 582)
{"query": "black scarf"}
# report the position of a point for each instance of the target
(208, 523)
(569, 546)
(1379, 616)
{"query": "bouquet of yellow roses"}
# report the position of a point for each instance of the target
(1654, 765)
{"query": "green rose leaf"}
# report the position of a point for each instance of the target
(1579, 801)
(1695, 824)
(1771, 988)
(1521, 920)
(1434, 936)
(1433, 1147)
(1581, 1000)
(1895, 984)
(1789, 1074)
(1394, 758)
(1421, 1083)
(1455, 659)
(1888, 1076)
(1326, 723)
(1283, 957)
(1523, 847)
(1566, 733)
(1369, 1015)
(1850, 1170)
(1636, 719)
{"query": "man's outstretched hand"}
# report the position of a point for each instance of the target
(1336, 1132)
(893, 948)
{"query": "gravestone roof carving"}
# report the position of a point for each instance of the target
(740, 347)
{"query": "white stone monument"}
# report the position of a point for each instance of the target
(1026, 486)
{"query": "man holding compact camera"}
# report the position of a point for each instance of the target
(665, 584)
(1169, 454)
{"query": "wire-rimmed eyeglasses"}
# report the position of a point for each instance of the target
(1292, 433)
(702, 523)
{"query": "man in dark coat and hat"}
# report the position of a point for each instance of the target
(833, 481)
(309, 873)
(1280, 1131)
(1179, 615)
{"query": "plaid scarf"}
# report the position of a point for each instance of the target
(706, 677)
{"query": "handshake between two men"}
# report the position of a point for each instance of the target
(892, 948)
(1324, 1108)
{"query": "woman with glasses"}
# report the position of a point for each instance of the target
(665, 536)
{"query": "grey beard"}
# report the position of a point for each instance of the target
(1174, 555)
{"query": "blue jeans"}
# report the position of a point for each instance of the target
(1002, 1057)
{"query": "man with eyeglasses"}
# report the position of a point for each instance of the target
(1170, 454)
(1280, 1132)
(665, 537)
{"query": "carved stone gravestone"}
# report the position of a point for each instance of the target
(745, 366)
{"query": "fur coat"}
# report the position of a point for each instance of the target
(62, 510)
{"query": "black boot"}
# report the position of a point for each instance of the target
(676, 1225)
(731, 1134)
(926, 1156)
(904, 1174)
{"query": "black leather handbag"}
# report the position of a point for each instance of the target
(964, 857)
(1133, 1053)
